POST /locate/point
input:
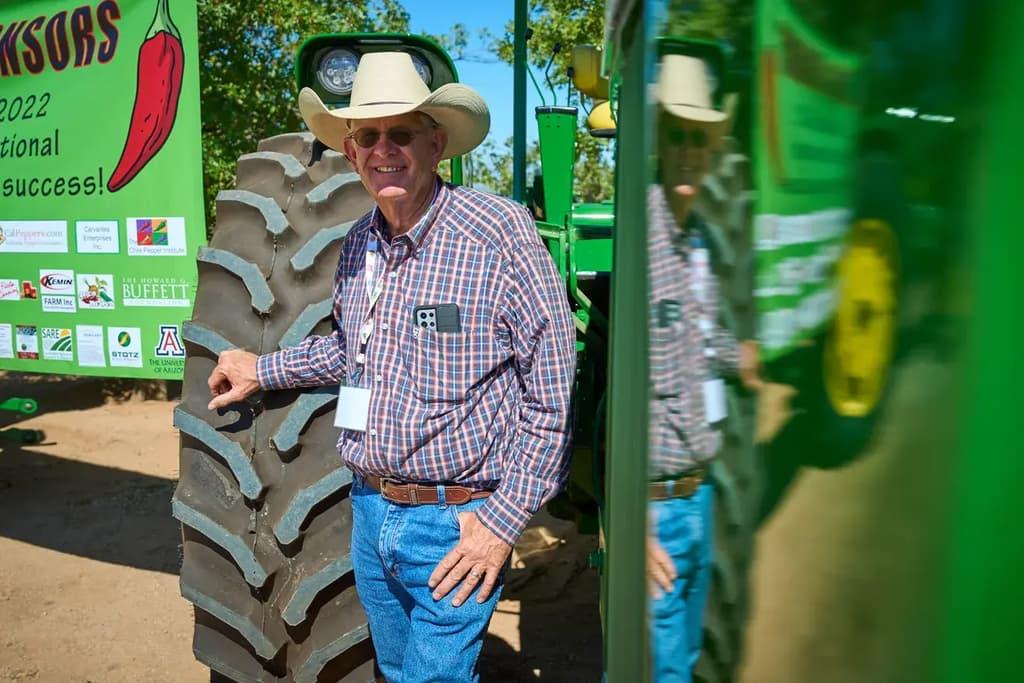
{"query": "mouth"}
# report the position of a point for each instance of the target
(388, 169)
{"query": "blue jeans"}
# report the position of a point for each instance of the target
(684, 529)
(395, 548)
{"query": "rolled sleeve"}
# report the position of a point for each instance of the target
(537, 317)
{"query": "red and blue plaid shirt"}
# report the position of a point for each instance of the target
(486, 407)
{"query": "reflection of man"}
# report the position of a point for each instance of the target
(455, 342)
(690, 352)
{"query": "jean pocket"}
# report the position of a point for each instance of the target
(455, 510)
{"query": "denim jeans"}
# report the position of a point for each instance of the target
(684, 529)
(395, 548)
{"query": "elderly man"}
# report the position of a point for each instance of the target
(690, 352)
(455, 345)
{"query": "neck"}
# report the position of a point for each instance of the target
(405, 212)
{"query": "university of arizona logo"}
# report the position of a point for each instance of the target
(170, 343)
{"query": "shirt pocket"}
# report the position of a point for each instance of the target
(442, 367)
(667, 360)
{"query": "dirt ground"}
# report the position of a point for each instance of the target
(844, 580)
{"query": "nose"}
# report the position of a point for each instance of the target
(384, 147)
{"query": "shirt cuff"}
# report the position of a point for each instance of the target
(271, 372)
(505, 514)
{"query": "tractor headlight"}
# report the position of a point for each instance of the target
(337, 71)
(422, 67)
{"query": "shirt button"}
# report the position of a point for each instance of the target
(380, 378)
(393, 274)
(373, 432)
(384, 327)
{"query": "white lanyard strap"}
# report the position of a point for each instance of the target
(374, 288)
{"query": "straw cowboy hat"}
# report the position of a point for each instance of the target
(684, 91)
(387, 84)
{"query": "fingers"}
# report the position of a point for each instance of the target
(469, 584)
(446, 564)
(452, 579)
(491, 575)
(661, 571)
(217, 379)
(225, 399)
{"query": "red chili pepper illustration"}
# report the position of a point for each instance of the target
(161, 62)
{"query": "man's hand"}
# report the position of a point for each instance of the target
(479, 555)
(233, 379)
(750, 365)
(661, 571)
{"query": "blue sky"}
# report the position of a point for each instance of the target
(494, 80)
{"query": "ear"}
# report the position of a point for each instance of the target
(439, 142)
(350, 151)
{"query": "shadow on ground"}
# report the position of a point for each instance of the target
(102, 513)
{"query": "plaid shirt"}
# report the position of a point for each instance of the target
(682, 355)
(487, 407)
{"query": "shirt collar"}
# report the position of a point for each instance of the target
(422, 227)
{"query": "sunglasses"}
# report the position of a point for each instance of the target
(694, 137)
(368, 137)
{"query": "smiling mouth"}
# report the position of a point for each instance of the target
(387, 169)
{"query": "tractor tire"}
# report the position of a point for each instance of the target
(262, 496)
(726, 203)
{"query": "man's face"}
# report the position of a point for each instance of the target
(390, 170)
(685, 149)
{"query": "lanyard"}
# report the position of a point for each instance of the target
(700, 273)
(374, 288)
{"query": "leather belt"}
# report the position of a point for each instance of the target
(682, 486)
(419, 494)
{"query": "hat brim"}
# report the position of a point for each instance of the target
(698, 114)
(456, 107)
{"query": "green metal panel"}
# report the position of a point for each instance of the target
(519, 71)
(557, 129)
(593, 256)
(981, 609)
(626, 481)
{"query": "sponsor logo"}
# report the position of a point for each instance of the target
(28, 290)
(125, 347)
(57, 343)
(33, 237)
(156, 236)
(97, 237)
(57, 282)
(58, 290)
(170, 343)
(90, 346)
(95, 291)
(9, 290)
(6, 341)
(27, 342)
(156, 292)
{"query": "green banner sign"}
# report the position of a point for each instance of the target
(101, 204)
(806, 131)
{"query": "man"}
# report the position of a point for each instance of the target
(455, 344)
(690, 352)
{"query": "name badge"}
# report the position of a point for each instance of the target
(715, 408)
(353, 409)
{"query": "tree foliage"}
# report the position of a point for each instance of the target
(557, 26)
(248, 50)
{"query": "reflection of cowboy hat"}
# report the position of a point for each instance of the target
(387, 84)
(684, 90)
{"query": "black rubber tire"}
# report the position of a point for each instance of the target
(262, 496)
(726, 204)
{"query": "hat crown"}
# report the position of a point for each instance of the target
(685, 81)
(387, 78)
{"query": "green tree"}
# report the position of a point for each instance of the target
(248, 49)
(565, 24)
